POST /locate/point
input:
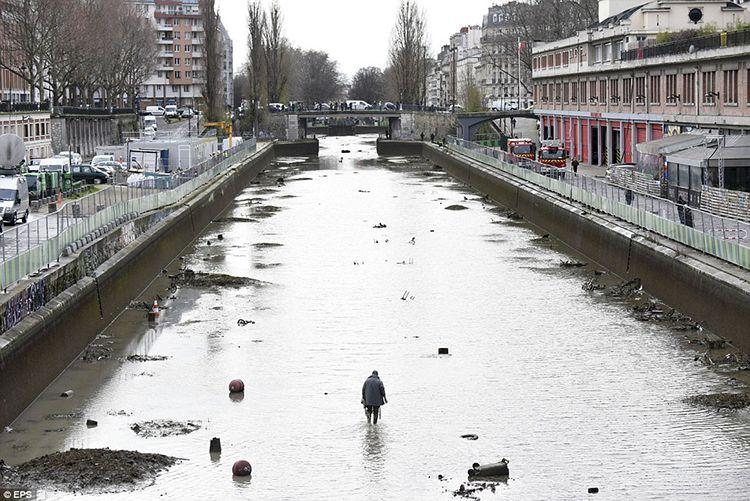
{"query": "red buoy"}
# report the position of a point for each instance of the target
(241, 468)
(236, 386)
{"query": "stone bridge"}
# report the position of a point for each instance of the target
(401, 124)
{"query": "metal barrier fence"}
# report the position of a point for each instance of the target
(719, 236)
(29, 247)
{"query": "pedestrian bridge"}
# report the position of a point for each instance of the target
(469, 122)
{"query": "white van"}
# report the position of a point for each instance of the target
(14, 199)
(98, 159)
(75, 158)
(357, 104)
(54, 164)
(170, 111)
(149, 121)
(156, 111)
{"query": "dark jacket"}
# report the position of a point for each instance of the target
(373, 391)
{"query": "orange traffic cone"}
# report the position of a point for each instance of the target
(153, 315)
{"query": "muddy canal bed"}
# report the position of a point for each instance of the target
(357, 266)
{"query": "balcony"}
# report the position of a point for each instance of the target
(716, 41)
(165, 53)
(168, 41)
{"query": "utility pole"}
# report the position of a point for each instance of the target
(519, 71)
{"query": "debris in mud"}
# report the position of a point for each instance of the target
(263, 266)
(266, 245)
(190, 278)
(69, 415)
(627, 289)
(242, 322)
(120, 412)
(515, 216)
(470, 489)
(721, 400)
(364, 191)
(90, 423)
(470, 436)
(146, 358)
(499, 469)
(593, 285)
(87, 469)
(300, 179)
(234, 219)
(264, 211)
(95, 352)
(139, 305)
(67, 394)
(566, 263)
(164, 428)
(380, 225)
(406, 295)
(456, 207)
(280, 181)
(345, 151)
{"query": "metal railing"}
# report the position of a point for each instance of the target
(715, 41)
(8, 107)
(78, 110)
(29, 247)
(725, 238)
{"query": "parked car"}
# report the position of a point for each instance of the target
(149, 131)
(156, 111)
(88, 174)
(75, 158)
(358, 104)
(14, 199)
(389, 106)
(186, 112)
(54, 164)
(170, 111)
(275, 107)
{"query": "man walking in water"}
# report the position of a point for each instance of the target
(373, 396)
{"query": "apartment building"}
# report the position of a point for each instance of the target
(13, 89)
(31, 126)
(612, 86)
(180, 72)
(499, 62)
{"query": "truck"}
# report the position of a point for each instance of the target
(522, 147)
(554, 156)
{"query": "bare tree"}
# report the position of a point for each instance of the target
(408, 52)
(320, 80)
(275, 54)
(28, 29)
(256, 26)
(213, 94)
(368, 84)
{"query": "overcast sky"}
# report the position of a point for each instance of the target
(354, 32)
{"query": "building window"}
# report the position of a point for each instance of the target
(582, 87)
(688, 88)
(186, 88)
(627, 90)
(565, 58)
(175, 88)
(614, 91)
(617, 50)
(545, 97)
(177, 74)
(730, 87)
(597, 54)
(592, 92)
(640, 90)
(558, 59)
(550, 61)
(655, 90)
(558, 93)
(566, 92)
(602, 92)
(187, 48)
(177, 61)
(607, 52)
(574, 92)
(708, 79)
(671, 81)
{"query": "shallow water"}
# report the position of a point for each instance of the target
(565, 384)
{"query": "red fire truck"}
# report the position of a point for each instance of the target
(522, 148)
(553, 154)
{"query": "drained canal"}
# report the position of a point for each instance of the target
(565, 383)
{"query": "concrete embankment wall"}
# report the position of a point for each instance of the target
(83, 133)
(713, 292)
(39, 347)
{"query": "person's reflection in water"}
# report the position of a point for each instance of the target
(374, 451)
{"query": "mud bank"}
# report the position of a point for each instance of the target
(87, 470)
